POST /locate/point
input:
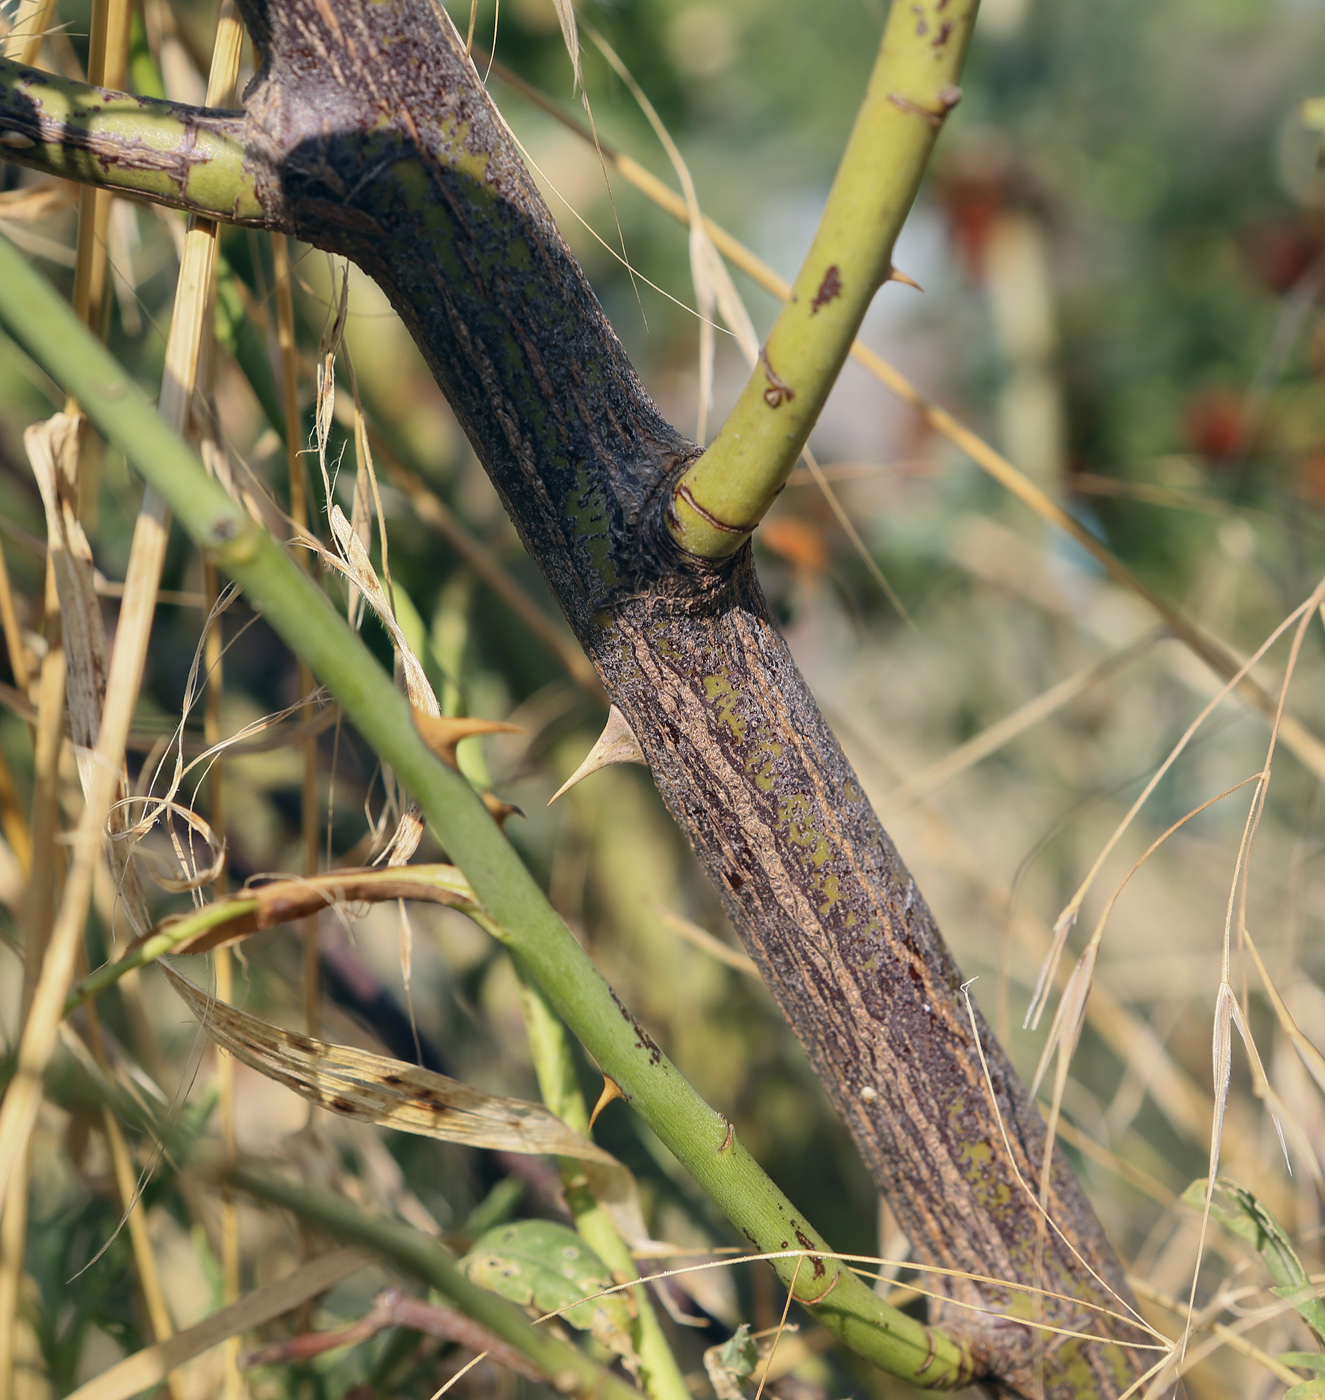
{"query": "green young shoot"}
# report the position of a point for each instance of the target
(722, 497)
(659, 1374)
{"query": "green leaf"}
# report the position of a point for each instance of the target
(731, 1363)
(1241, 1214)
(1308, 1390)
(1304, 1360)
(550, 1269)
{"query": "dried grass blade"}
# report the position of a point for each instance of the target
(712, 281)
(352, 560)
(357, 567)
(570, 35)
(1068, 917)
(1002, 732)
(1065, 1029)
(13, 632)
(1226, 1007)
(1306, 1049)
(18, 1112)
(150, 1366)
(27, 29)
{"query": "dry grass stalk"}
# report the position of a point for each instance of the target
(294, 438)
(1001, 733)
(110, 35)
(27, 30)
(14, 643)
(53, 451)
(150, 1366)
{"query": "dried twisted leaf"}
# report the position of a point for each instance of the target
(52, 448)
(351, 559)
(172, 862)
(228, 921)
(390, 1093)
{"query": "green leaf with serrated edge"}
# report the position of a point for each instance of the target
(732, 1362)
(549, 1268)
(1304, 1360)
(1308, 1390)
(1241, 1214)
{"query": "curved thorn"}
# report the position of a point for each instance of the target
(616, 744)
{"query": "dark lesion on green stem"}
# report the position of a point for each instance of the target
(189, 157)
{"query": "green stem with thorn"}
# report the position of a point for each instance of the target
(702, 1140)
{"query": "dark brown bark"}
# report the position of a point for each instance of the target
(372, 136)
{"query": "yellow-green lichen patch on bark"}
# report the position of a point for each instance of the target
(1072, 1365)
(451, 145)
(726, 699)
(662, 643)
(796, 821)
(761, 764)
(975, 1157)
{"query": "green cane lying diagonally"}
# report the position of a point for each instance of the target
(699, 1137)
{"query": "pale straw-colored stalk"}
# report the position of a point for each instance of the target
(108, 54)
(14, 644)
(223, 962)
(108, 62)
(27, 30)
(308, 802)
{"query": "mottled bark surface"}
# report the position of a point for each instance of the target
(375, 139)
